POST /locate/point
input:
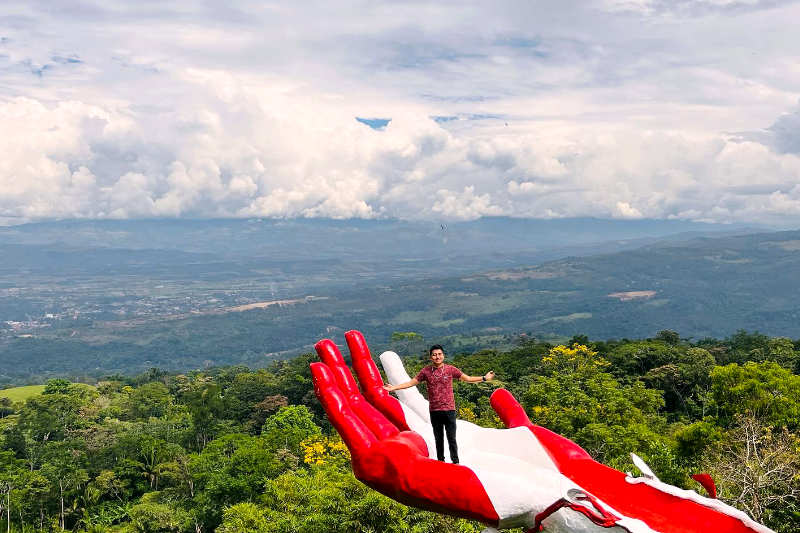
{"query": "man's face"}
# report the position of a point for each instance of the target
(437, 357)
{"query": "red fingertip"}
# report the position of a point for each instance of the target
(508, 409)
(337, 371)
(320, 375)
(560, 449)
(368, 375)
(371, 381)
(707, 482)
(329, 352)
(357, 344)
(331, 356)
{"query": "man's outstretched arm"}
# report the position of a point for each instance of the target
(408, 384)
(474, 379)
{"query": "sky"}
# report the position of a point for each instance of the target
(664, 109)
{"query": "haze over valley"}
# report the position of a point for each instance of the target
(89, 297)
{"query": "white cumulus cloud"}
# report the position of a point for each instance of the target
(631, 109)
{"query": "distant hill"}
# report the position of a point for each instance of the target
(183, 309)
(288, 258)
(703, 287)
(318, 239)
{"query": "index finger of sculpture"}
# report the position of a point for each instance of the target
(371, 382)
(356, 435)
(369, 415)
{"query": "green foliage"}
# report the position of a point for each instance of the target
(6, 407)
(246, 391)
(244, 518)
(782, 351)
(289, 427)
(328, 500)
(400, 336)
(234, 468)
(294, 379)
(229, 449)
(51, 417)
(203, 399)
(56, 386)
(408, 342)
(766, 391)
(756, 468)
(743, 346)
(669, 337)
(637, 358)
(685, 381)
(262, 410)
(577, 392)
(154, 517)
(64, 467)
(694, 439)
(151, 399)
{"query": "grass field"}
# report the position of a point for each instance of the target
(18, 394)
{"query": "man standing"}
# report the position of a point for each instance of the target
(441, 402)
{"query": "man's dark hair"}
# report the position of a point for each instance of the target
(435, 347)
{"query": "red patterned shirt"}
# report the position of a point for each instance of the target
(440, 386)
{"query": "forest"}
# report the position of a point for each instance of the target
(236, 450)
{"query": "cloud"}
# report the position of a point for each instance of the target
(624, 210)
(688, 7)
(784, 134)
(464, 205)
(606, 109)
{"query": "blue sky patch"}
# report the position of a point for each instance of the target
(442, 119)
(66, 60)
(375, 123)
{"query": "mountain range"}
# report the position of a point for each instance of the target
(88, 297)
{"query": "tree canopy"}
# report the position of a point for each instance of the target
(233, 450)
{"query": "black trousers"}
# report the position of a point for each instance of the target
(445, 421)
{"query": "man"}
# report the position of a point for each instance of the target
(441, 402)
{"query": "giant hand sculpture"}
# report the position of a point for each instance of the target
(524, 476)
